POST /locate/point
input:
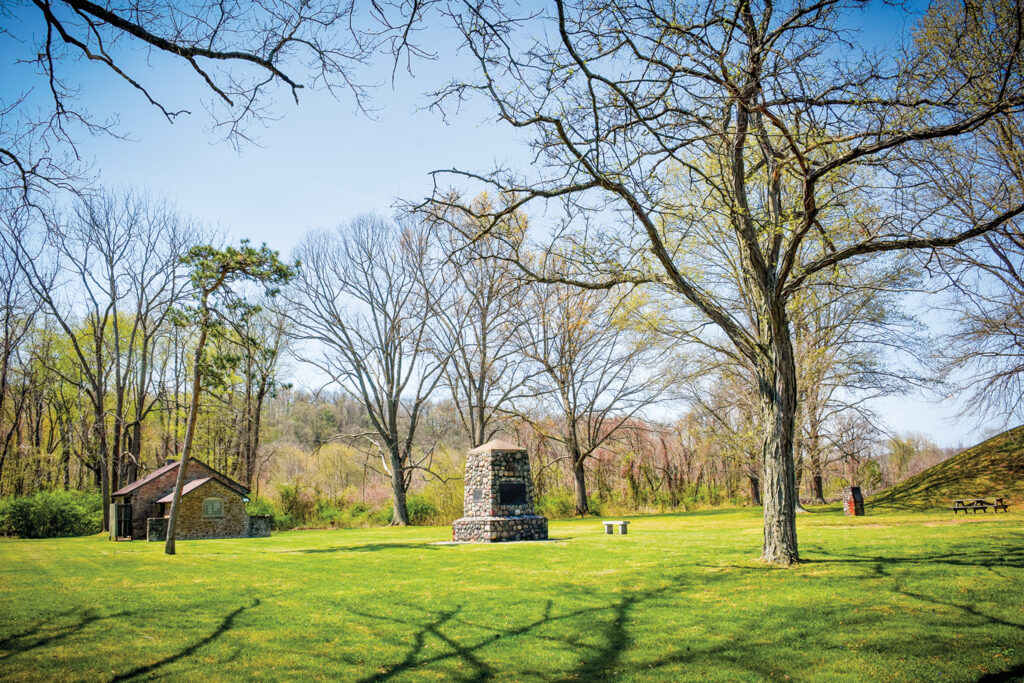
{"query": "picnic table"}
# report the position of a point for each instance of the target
(975, 504)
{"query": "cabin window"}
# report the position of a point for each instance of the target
(213, 507)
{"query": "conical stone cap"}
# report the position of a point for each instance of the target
(496, 445)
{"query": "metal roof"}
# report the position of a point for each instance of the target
(222, 478)
(189, 488)
(145, 480)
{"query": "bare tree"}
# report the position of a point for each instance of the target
(773, 142)
(19, 307)
(854, 440)
(262, 340)
(140, 241)
(486, 372)
(242, 54)
(728, 398)
(983, 356)
(365, 303)
(984, 352)
(845, 331)
(106, 275)
(593, 374)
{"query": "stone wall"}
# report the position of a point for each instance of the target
(259, 526)
(156, 529)
(234, 523)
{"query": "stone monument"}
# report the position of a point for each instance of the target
(499, 497)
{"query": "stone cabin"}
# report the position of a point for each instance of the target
(212, 506)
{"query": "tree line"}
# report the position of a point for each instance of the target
(420, 346)
(724, 175)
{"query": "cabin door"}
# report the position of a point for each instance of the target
(124, 520)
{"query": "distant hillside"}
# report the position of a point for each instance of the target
(992, 468)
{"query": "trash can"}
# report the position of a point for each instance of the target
(853, 502)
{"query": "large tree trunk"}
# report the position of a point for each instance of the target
(135, 447)
(3, 457)
(777, 388)
(116, 466)
(814, 458)
(102, 464)
(65, 468)
(135, 450)
(247, 468)
(105, 495)
(580, 480)
(817, 489)
(400, 513)
(755, 490)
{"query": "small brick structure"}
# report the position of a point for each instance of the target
(212, 506)
(853, 502)
(499, 497)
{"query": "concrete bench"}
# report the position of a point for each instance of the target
(609, 527)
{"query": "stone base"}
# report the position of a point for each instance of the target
(256, 526)
(495, 529)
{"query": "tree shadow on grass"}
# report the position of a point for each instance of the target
(598, 637)
(368, 548)
(989, 559)
(424, 545)
(1016, 671)
(597, 658)
(225, 625)
(1014, 674)
(985, 558)
(23, 641)
(976, 558)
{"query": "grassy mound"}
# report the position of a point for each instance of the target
(992, 468)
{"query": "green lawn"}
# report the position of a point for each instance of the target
(895, 596)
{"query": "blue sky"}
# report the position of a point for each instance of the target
(323, 162)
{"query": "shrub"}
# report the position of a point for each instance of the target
(260, 506)
(325, 513)
(50, 514)
(446, 498)
(362, 515)
(278, 519)
(556, 505)
(283, 521)
(358, 509)
(295, 503)
(319, 513)
(421, 509)
(562, 504)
